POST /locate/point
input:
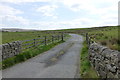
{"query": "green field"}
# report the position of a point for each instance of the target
(18, 36)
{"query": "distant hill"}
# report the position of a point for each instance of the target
(84, 30)
(16, 30)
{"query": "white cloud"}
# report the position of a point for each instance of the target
(77, 5)
(113, 9)
(109, 20)
(51, 25)
(91, 6)
(77, 23)
(106, 15)
(48, 10)
(16, 19)
(7, 10)
(9, 15)
(100, 12)
(2, 25)
(23, 1)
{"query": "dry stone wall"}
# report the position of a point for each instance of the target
(105, 61)
(10, 49)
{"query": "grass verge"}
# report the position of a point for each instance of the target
(27, 54)
(86, 70)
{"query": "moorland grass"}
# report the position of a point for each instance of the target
(108, 37)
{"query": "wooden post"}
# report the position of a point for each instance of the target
(62, 36)
(34, 42)
(87, 37)
(2, 57)
(3, 51)
(58, 37)
(20, 46)
(89, 40)
(45, 40)
(52, 39)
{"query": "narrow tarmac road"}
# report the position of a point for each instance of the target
(62, 61)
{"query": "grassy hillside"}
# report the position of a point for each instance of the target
(107, 36)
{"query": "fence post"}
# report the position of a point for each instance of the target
(3, 51)
(45, 40)
(19, 43)
(34, 42)
(62, 36)
(87, 38)
(52, 39)
(89, 41)
(58, 37)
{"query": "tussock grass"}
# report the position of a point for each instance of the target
(86, 70)
(108, 37)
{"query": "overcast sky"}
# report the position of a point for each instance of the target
(57, 14)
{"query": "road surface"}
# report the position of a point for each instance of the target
(62, 61)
